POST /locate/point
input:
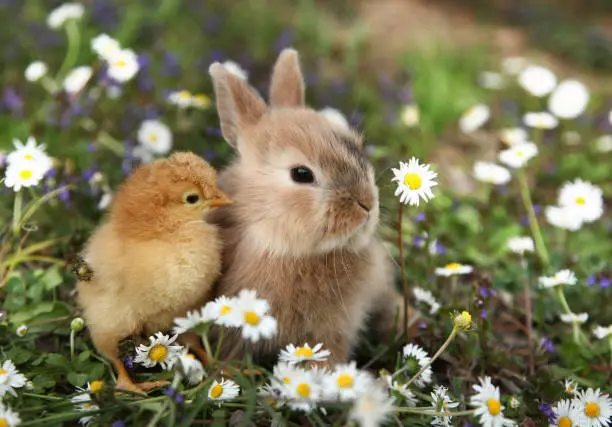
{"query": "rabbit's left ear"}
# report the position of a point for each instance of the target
(287, 85)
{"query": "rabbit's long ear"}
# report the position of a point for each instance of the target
(287, 85)
(238, 105)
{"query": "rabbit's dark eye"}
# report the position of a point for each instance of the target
(302, 175)
(191, 198)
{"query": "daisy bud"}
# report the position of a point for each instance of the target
(96, 386)
(77, 324)
(22, 331)
(463, 321)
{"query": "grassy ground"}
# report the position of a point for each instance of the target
(176, 42)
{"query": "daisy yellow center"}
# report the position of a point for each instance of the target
(184, 94)
(453, 266)
(225, 309)
(202, 99)
(158, 353)
(120, 63)
(96, 386)
(216, 391)
(3, 422)
(89, 406)
(519, 153)
(28, 157)
(190, 356)
(570, 389)
(463, 321)
(286, 380)
(345, 381)
(272, 402)
(25, 174)
(304, 352)
(565, 422)
(580, 201)
(303, 390)
(591, 410)
(251, 318)
(3, 371)
(413, 181)
(494, 407)
(153, 138)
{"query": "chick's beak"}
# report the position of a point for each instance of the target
(221, 199)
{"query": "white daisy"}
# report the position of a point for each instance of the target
(282, 374)
(569, 99)
(76, 79)
(105, 46)
(155, 136)
(123, 65)
(303, 390)
(536, 80)
(442, 403)
(488, 405)
(414, 181)
(474, 118)
(595, 407)
(574, 318)
(518, 155)
(570, 386)
(236, 70)
(491, 80)
(540, 120)
(602, 332)
(224, 390)
(513, 65)
(604, 143)
(255, 321)
(22, 174)
(84, 403)
(567, 414)
(563, 217)
(409, 115)
(511, 136)
(372, 408)
(10, 379)
(514, 402)
(563, 277)
(454, 269)
(30, 153)
(8, 418)
(491, 173)
(520, 245)
(21, 331)
(346, 382)
(401, 391)
(200, 101)
(105, 200)
(425, 296)
(416, 358)
(271, 395)
(335, 116)
(35, 71)
(223, 311)
(585, 198)
(67, 11)
(190, 368)
(294, 355)
(161, 352)
(180, 98)
(192, 319)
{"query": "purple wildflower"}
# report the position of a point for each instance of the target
(547, 409)
(547, 345)
(605, 282)
(484, 314)
(128, 362)
(418, 241)
(179, 398)
(420, 217)
(284, 40)
(170, 391)
(119, 423)
(591, 280)
(483, 291)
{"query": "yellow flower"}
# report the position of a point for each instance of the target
(463, 321)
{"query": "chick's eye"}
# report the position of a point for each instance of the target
(302, 175)
(191, 198)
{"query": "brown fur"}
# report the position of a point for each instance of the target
(154, 255)
(309, 249)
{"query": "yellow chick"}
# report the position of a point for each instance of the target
(153, 258)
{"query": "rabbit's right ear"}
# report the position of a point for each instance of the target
(238, 105)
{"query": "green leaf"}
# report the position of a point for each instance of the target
(19, 355)
(52, 278)
(55, 359)
(43, 381)
(77, 380)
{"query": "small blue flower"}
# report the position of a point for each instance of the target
(547, 409)
(179, 398)
(128, 362)
(420, 217)
(605, 282)
(547, 345)
(591, 280)
(484, 314)
(170, 391)
(483, 291)
(119, 423)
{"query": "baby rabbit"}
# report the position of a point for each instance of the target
(153, 257)
(302, 229)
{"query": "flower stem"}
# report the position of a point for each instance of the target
(533, 222)
(206, 343)
(452, 335)
(430, 412)
(610, 342)
(400, 242)
(218, 349)
(528, 316)
(72, 32)
(72, 339)
(454, 280)
(563, 301)
(17, 212)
